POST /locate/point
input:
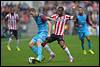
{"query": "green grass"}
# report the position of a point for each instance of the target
(15, 58)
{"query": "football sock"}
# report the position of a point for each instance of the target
(82, 44)
(9, 41)
(17, 43)
(89, 44)
(39, 53)
(68, 52)
(34, 49)
(48, 49)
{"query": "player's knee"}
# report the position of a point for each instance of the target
(88, 38)
(38, 43)
(10, 38)
(16, 38)
(30, 44)
(82, 40)
(43, 44)
(62, 44)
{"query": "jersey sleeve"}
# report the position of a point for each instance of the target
(69, 17)
(54, 16)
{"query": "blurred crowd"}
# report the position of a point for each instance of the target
(91, 8)
(22, 10)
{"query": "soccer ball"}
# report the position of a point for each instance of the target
(31, 60)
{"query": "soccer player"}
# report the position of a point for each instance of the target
(12, 20)
(44, 29)
(60, 19)
(81, 21)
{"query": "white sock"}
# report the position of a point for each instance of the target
(48, 49)
(68, 52)
(9, 41)
(17, 43)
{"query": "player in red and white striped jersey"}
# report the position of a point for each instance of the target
(60, 21)
(12, 20)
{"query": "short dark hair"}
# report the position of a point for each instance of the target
(61, 8)
(32, 9)
(80, 7)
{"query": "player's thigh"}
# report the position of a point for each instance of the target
(15, 33)
(81, 35)
(51, 38)
(42, 36)
(87, 35)
(39, 38)
(60, 40)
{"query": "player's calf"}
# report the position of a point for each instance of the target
(63, 45)
(33, 47)
(43, 44)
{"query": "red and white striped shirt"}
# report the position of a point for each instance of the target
(60, 23)
(12, 21)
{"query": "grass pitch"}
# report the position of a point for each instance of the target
(15, 58)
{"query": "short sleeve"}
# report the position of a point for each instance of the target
(54, 16)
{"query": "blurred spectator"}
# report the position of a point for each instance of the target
(24, 6)
(48, 8)
(97, 24)
(97, 30)
(97, 18)
(90, 8)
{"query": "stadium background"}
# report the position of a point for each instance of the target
(27, 25)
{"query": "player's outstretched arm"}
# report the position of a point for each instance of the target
(75, 21)
(49, 28)
(49, 18)
(90, 22)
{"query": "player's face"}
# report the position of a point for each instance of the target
(80, 11)
(33, 13)
(60, 11)
(12, 10)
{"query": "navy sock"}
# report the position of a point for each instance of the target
(82, 44)
(89, 44)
